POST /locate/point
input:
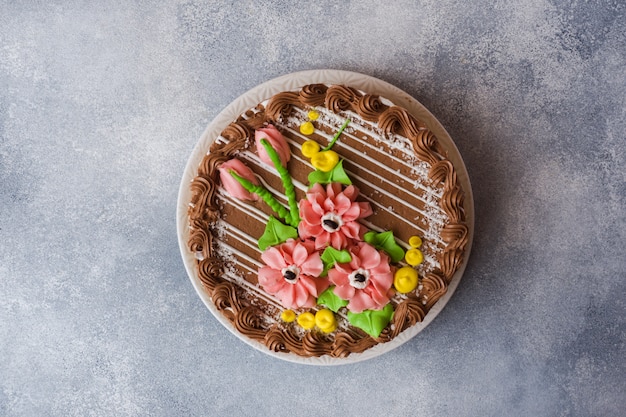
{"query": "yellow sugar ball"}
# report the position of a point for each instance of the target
(414, 257)
(313, 115)
(307, 128)
(325, 320)
(415, 241)
(405, 279)
(310, 148)
(306, 320)
(288, 316)
(325, 161)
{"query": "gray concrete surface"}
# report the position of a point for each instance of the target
(101, 104)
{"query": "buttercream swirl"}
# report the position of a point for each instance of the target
(209, 271)
(313, 94)
(407, 314)
(370, 107)
(433, 288)
(340, 98)
(425, 145)
(455, 234)
(346, 343)
(200, 238)
(204, 208)
(248, 322)
(398, 120)
(225, 296)
(315, 344)
(449, 261)
(281, 104)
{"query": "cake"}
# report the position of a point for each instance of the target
(326, 221)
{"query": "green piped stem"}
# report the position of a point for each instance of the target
(332, 142)
(264, 194)
(290, 190)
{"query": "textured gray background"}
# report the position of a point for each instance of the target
(101, 104)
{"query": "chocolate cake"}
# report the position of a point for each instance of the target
(326, 221)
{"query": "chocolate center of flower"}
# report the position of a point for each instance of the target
(291, 274)
(331, 222)
(359, 278)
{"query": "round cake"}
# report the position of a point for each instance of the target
(326, 221)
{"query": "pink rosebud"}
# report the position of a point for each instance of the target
(278, 142)
(231, 185)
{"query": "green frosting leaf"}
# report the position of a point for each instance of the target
(331, 300)
(372, 322)
(275, 233)
(337, 174)
(332, 255)
(385, 241)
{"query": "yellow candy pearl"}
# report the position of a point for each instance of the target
(414, 257)
(415, 242)
(310, 148)
(306, 320)
(325, 161)
(313, 115)
(307, 128)
(325, 320)
(405, 279)
(288, 316)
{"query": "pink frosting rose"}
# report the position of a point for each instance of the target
(292, 273)
(366, 281)
(276, 139)
(330, 215)
(231, 185)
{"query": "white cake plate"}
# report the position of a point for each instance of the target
(292, 82)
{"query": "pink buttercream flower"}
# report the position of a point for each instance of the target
(330, 216)
(366, 281)
(276, 139)
(292, 273)
(231, 185)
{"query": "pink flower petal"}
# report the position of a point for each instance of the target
(338, 240)
(271, 279)
(322, 239)
(308, 214)
(345, 292)
(342, 205)
(352, 213)
(312, 265)
(287, 296)
(366, 209)
(370, 257)
(299, 255)
(333, 189)
(351, 192)
(274, 258)
(360, 302)
(352, 230)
